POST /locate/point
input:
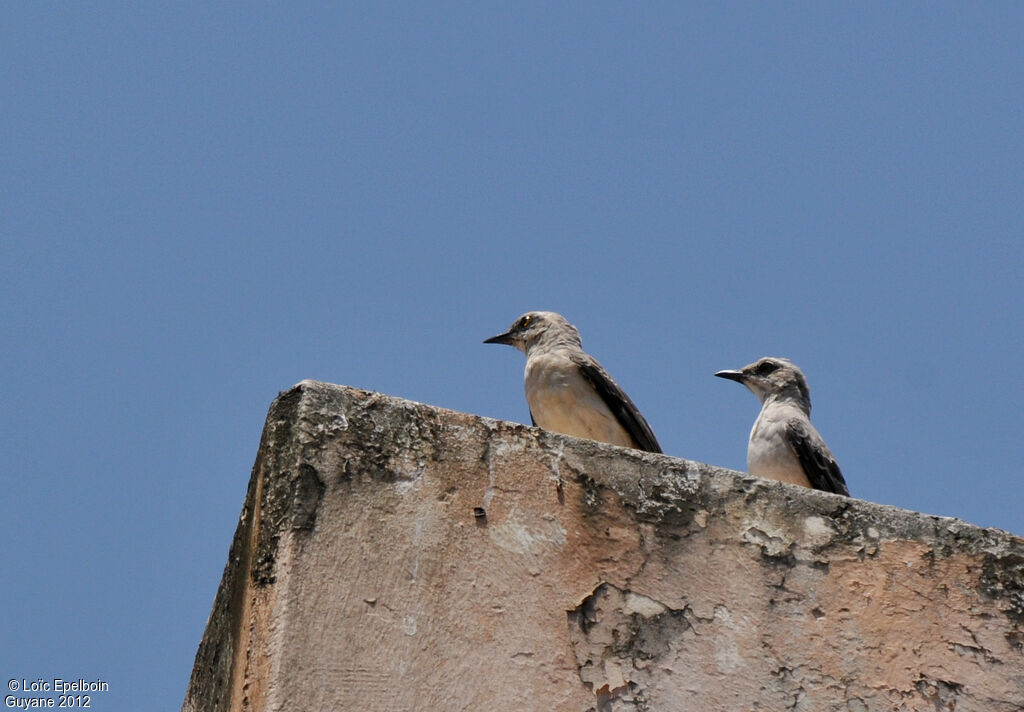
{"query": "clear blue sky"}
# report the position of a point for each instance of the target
(202, 204)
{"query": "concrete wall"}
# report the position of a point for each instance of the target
(394, 556)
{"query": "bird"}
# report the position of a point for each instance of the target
(783, 443)
(567, 390)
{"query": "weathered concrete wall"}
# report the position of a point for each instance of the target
(394, 556)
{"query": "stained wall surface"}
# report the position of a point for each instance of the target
(395, 556)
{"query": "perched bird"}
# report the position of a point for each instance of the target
(567, 390)
(783, 443)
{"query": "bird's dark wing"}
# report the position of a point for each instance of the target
(533, 421)
(819, 465)
(618, 403)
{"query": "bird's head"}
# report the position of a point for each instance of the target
(771, 376)
(537, 327)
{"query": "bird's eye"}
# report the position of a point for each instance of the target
(765, 367)
(525, 321)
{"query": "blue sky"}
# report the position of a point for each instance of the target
(203, 204)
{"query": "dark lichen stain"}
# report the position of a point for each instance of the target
(591, 493)
(308, 489)
(263, 567)
(1002, 578)
(662, 503)
(787, 560)
(1016, 639)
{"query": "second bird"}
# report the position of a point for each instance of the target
(783, 443)
(567, 390)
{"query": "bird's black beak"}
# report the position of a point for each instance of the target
(505, 338)
(737, 376)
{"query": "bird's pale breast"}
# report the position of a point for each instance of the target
(561, 400)
(769, 455)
